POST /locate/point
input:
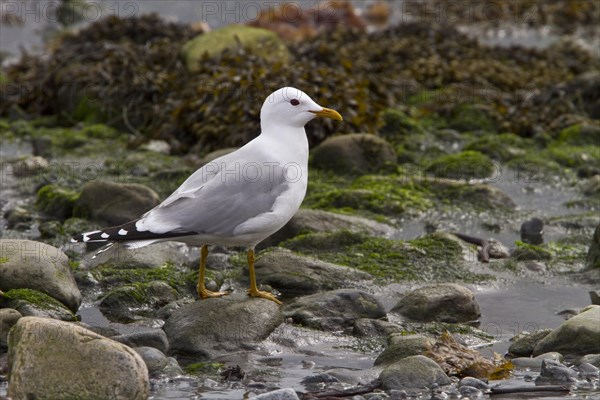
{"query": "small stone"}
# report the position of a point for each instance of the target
(473, 382)
(372, 328)
(535, 266)
(319, 378)
(555, 372)
(497, 249)
(444, 302)
(155, 359)
(595, 297)
(413, 372)
(16, 217)
(157, 146)
(470, 392)
(32, 165)
(532, 231)
(155, 338)
(404, 346)
(587, 370)
(281, 394)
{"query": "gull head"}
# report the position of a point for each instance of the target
(292, 107)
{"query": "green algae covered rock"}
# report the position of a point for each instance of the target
(261, 42)
(465, 165)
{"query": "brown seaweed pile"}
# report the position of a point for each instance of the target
(129, 73)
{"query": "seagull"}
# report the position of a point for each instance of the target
(238, 199)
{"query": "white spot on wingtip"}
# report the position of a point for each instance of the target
(122, 232)
(85, 238)
(104, 235)
(74, 240)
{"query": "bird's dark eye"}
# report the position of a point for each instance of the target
(294, 102)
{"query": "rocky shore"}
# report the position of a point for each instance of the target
(421, 200)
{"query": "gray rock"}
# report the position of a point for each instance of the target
(470, 392)
(213, 327)
(578, 335)
(38, 266)
(280, 394)
(404, 346)
(497, 249)
(158, 363)
(371, 328)
(307, 220)
(587, 370)
(334, 310)
(294, 274)
(413, 372)
(43, 352)
(523, 344)
(535, 363)
(532, 231)
(17, 217)
(156, 338)
(593, 256)
(152, 256)
(319, 378)
(473, 382)
(595, 297)
(355, 377)
(8, 318)
(353, 154)
(555, 372)
(115, 203)
(593, 359)
(32, 165)
(444, 302)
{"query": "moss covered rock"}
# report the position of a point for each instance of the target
(56, 201)
(32, 303)
(593, 255)
(260, 42)
(471, 117)
(26, 264)
(353, 154)
(404, 346)
(398, 124)
(115, 203)
(580, 135)
(465, 165)
(502, 147)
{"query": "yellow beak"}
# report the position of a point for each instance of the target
(328, 113)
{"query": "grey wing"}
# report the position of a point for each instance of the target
(216, 206)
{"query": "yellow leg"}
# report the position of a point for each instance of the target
(253, 291)
(203, 293)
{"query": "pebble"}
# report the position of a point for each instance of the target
(281, 394)
(473, 382)
(555, 372)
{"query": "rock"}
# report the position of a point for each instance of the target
(444, 302)
(32, 303)
(473, 382)
(115, 203)
(355, 377)
(155, 338)
(307, 220)
(372, 328)
(259, 42)
(593, 256)
(212, 327)
(413, 372)
(334, 310)
(39, 368)
(470, 392)
(156, 255)
(535, 363)
(294, 274)
(497, 249)
(466, 165)
(593, 359)
(32, 165)
(158, 363)
(353, 154)
(587, 370)
(127, 301)
(595, 297)
(8, 318)
(56, 201)
(319, 378)
(555, 372)
(532, 231)
(157, 146)
(578, 335)
(17, 217)
(536, 266)
(404, 346)
(38, 266)
(280, 394)
(522, 345)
